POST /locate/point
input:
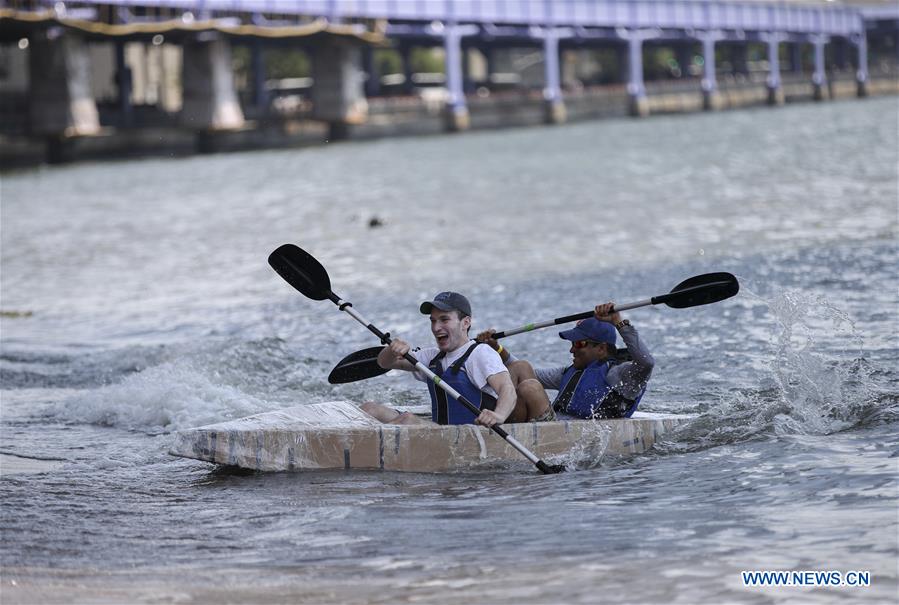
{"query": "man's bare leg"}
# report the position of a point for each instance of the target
(388, 415)
(533, 401)
(379, 412)
(410, 418)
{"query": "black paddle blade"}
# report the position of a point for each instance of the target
(357, 366)
(301, 270)
(550, 469)
(700, 290)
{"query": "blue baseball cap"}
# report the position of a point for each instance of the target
(447, 301)
(591, 329)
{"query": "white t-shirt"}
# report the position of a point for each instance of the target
(483, 363)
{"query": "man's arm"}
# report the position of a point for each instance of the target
(391, 357)
(630, 378)
(487, 336)
(505, 401)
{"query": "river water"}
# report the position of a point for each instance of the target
(137, 301)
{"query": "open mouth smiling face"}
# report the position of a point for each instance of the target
(449, 331)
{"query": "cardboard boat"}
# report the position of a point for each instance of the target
(338, 435)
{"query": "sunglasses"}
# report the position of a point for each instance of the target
(580, 344)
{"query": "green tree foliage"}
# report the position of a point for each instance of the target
(427, 60)
(287, 63)
(421, 60)
(279, 63)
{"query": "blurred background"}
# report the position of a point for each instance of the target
(90, 78)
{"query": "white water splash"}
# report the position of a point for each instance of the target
(819, 389)
(168, 397)
(814, 379)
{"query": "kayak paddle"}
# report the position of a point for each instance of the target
(694, 292)
(363, 364)
(302, 271)
(357, 366)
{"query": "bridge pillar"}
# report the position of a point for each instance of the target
(861, 74)
(711, 98)
(210, 100)
(553, 104)
(775, 86)
(338, 95)
(61, 101)
(455, 113)
(819, 77)
(636, 89)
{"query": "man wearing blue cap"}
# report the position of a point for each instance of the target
(595, 385)
(477, 372)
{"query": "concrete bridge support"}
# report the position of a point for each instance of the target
(636, 89)
(338, 95)
(553, 104)
(711, 97)
(210, 99)
(455, 113)
(775, 85)
(61, 102)
(819, 76)
(861, 74)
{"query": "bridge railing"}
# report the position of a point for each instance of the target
(678, 14)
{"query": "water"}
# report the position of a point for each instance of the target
(137, 301)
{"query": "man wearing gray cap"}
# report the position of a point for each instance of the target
(477, 372)
(595, 385)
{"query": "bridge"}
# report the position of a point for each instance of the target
(343, 32)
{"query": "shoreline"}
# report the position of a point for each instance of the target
(392, 117)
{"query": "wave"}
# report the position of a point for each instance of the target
(213, 383)
(162, 399)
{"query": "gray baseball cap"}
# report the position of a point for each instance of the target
(447, 301)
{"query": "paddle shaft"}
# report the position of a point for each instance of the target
(655, 300)
(385, 339)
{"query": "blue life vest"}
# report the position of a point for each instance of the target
(446, 409)
(587, 394)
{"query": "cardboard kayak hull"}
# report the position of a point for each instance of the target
(338, 435)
